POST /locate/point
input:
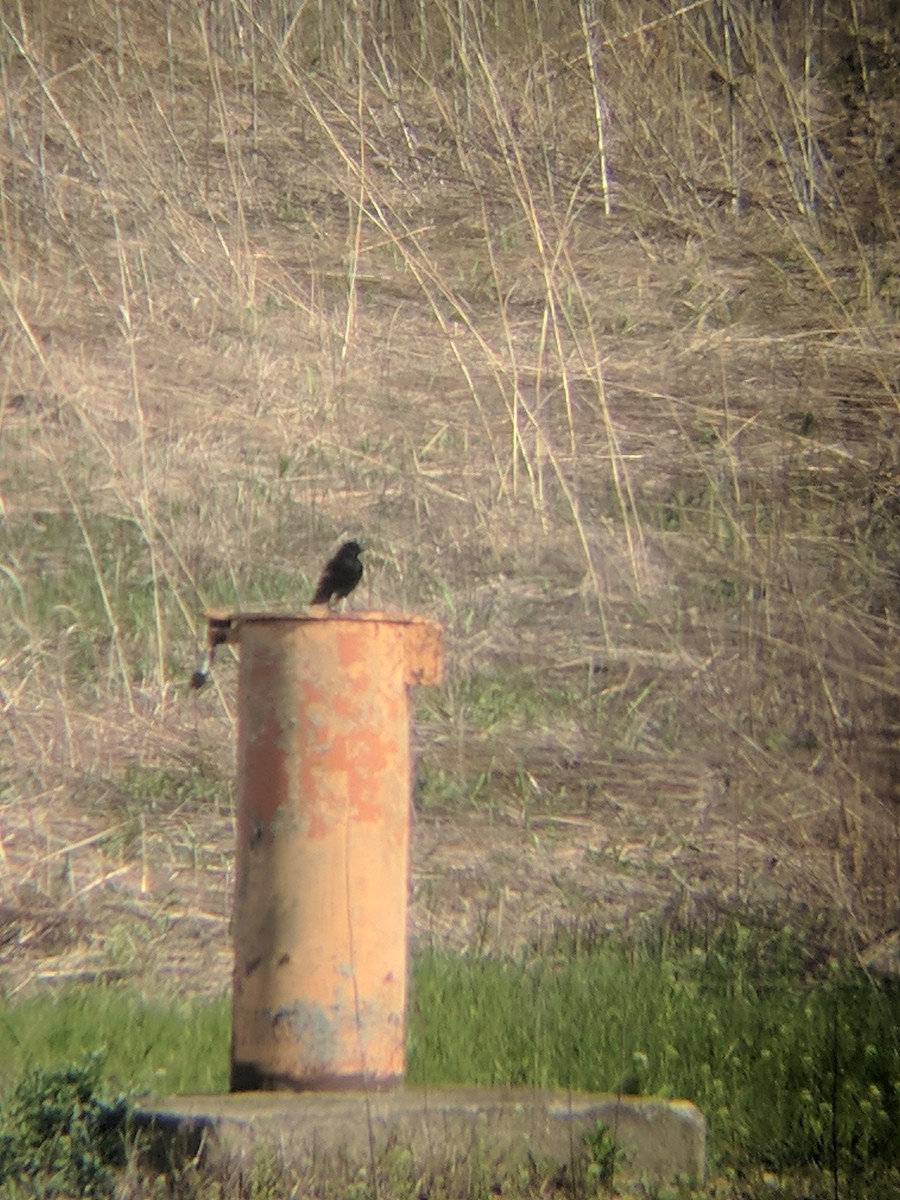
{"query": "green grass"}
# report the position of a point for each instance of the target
(786, 1070)
(791, 1071)
(147, 1046)
(489, 701)
(146, 789)
(52, 582)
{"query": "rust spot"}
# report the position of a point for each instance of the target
(323, 764)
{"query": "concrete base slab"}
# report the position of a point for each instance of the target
(434, 1129)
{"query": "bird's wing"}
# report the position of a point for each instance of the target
(325, 588)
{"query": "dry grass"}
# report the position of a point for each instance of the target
(264, 283)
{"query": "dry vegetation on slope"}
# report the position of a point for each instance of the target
(584, 318)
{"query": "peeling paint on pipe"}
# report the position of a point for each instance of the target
(322, 871)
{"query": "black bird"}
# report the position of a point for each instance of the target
(341, 574)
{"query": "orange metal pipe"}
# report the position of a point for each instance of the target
(320, 956)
